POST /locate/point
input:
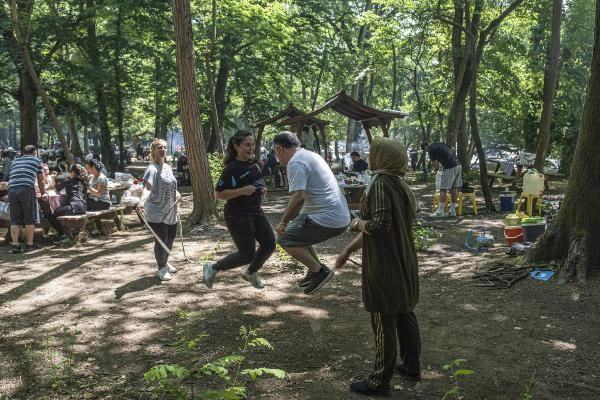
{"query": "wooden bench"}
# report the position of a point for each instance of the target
(104, 221)
(492, 176)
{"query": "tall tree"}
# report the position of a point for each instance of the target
(575, 234)
(202, 187)
(214, 113)
(550, 81)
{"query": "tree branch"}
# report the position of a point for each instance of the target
(493, 25)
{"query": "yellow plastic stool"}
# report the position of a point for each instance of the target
(529, 198)
(436, 201)
(461, 197)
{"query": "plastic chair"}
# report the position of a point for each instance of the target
(529, 198)
(436, 201)
(461, 197)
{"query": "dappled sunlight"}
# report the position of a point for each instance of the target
(560, 345)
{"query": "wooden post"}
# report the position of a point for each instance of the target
(385, 125)
(318, 148)
(325, 144)
(368, 132)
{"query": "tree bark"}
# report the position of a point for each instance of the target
(106, 147)
(318, 86)
(38, 84)
(202, 186)
(118, 89)
(550, 81)
(222, 79)
(216, 127)
(75, 146)
(485, 187)
(575, 234)
(258, 141)
(86, 140)
(27, 98)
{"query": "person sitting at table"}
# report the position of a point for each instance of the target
(98, 194)
(75, 186)
(358, 164)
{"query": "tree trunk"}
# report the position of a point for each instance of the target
(222, 78)
(318, 86)
(27, 98)
(118, 89)
(202, 187)
(86, 140)
(550, 81)
(216, 128)
(75, 146)
(38, 84)
(394, 76)
(485, 187)
(258, 141)
(575, 234)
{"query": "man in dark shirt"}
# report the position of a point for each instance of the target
(358, 164)
(441, 153)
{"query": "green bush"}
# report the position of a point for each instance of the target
(215, 163)
(424, 236)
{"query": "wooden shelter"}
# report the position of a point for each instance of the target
(291, 112)
(347, 106)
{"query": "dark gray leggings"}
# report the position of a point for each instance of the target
(245, 232)
(167, 234)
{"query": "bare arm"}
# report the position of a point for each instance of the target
(41, 184)
(355, 244)
(293, 209)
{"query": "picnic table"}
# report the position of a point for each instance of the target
(504, 171)
(353, 193)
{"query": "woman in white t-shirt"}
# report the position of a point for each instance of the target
(98, 195)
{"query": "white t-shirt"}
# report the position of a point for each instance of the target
(325, 203)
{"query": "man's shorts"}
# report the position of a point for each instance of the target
(302, 232)
(451, 178)
(23, 206)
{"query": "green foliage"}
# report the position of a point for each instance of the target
(181, 382)
(58, 357)
(213, 254)
(215, 163)
(454, 392)
(424, 236)
(282, 255)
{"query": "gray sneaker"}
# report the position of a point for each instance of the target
(208, 274)
(171, 268)
(254, 279)
(318, 280)
(163, 274)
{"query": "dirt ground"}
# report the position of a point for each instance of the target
(98, 308)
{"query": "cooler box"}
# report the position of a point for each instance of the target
(513, 234)
(507, 201)
(533, 227)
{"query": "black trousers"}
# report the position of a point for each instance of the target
(389, 330)
(97, 205)
(167, 234)
(68, 209)
(245, 231)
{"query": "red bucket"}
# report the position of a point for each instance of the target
(513, 234)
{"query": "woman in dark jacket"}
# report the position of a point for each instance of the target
(390, 280)
(75, 186)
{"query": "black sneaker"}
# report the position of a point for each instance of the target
(16, 248)
(318, 280)
(413, 376)
(362, 387)
(304, 282)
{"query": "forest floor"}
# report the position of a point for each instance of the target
(86, 322)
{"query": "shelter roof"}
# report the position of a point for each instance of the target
(347, 106)
(289, 112)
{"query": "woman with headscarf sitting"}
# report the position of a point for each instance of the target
(390, 280)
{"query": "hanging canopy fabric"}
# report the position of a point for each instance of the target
(347, 106)
(290, 112)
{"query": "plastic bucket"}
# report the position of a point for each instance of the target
(531, 231)
(507, 201)
(513, 234)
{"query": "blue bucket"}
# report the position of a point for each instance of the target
(507, 201)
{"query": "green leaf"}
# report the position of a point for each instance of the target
(260, 342)
(460, 372)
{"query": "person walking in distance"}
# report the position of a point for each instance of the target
(241, 187)
(317, 209)
(159, 203)
(390, 279)
(442, 154)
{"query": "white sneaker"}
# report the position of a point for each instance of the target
(439, 213)
(452, 213)
(171, 268)
(208, 274)
(254, 279)
(163, 274)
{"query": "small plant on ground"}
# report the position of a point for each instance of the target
(59, 357)
(528, 391)
(424, 236)
(454, 366)
(282, 255)
(213, 254)
(180, 382)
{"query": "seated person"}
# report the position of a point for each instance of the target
(358, 164)
(98, 194)
(75, 186)
(271, 168)
(184, 169)
(4, 206)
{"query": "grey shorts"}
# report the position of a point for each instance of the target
(302, 232)
(23, 207)
(451, 178)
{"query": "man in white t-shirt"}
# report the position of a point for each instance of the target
(317, 209)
